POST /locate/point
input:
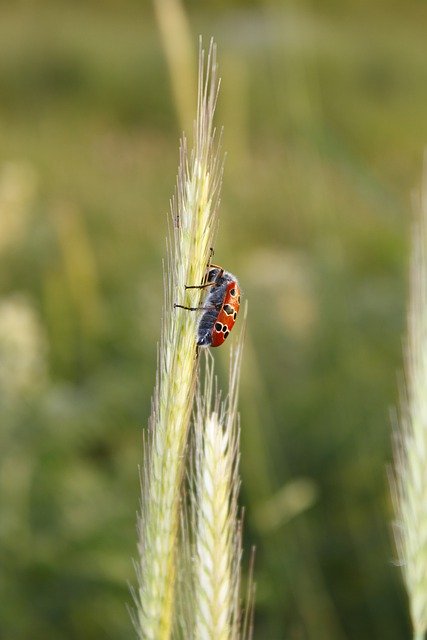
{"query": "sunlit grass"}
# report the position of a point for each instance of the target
(86, 104)
(192, 227)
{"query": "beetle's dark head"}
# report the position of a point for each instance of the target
(213, 274)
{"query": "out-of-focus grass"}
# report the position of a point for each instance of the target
(324, 115)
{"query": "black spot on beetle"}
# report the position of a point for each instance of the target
(226, 334)
(228, 309)
(235, 315)
(218, 326)
(238, 299)
(224, 328)
(233, 292)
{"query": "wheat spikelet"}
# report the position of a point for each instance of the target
(193, 218)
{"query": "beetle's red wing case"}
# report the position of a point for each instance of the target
(227, 315)
(221, 306)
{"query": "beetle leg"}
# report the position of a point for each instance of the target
(200, 286)
(181, 306)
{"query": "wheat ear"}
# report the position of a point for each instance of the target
(410, 459)
(217, 546)
(193, 218)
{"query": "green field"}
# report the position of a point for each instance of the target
(324, 112)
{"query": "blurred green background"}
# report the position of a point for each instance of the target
(324, 109)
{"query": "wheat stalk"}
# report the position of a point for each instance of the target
(193, 220)
(410, 460)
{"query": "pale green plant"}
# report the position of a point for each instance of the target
(217, 551)
(23, 350)
(80, 270)
(18, 187)
(175, 32)
(211, 551)
(410, 464)
(217, 539)
(192, 226)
